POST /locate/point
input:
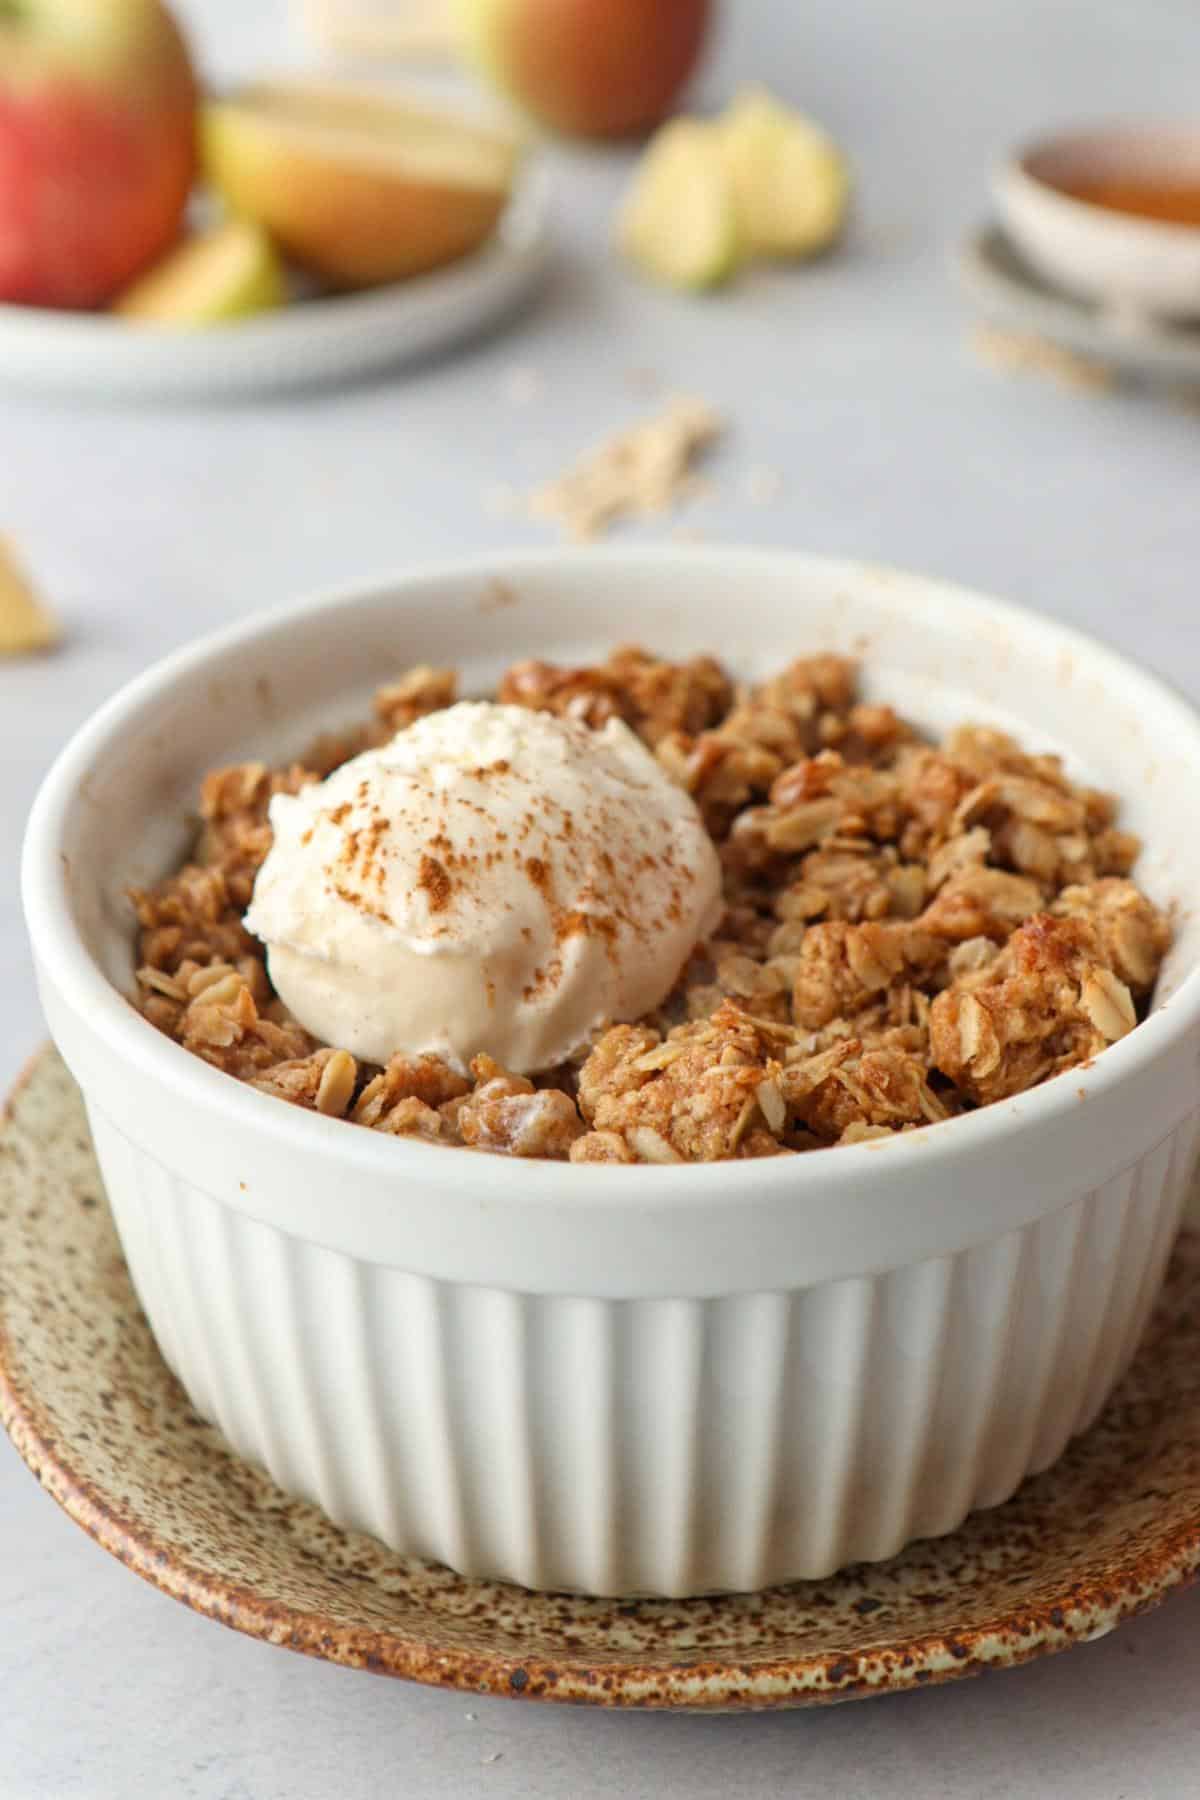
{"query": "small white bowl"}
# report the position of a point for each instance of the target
(1120, 260)
(647, 1379)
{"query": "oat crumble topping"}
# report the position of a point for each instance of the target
(911, 930)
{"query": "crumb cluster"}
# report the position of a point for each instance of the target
(911, 930)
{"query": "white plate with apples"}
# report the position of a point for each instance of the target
(316, 339)
(354, 229)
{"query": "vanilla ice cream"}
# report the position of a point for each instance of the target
(493, 879)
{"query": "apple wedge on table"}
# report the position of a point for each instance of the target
(759, 181)
(360, 188)
(679, 222)
(26, 624)
(790, 180)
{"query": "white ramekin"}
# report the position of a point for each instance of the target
(1140, 266)
(627, 1380)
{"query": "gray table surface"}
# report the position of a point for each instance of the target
(853, 381)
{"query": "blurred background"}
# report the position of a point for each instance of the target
(859, 414)
(863, 412)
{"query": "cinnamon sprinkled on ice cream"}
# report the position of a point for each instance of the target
(492, 880)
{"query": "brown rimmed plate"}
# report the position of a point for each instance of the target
(90, 1405)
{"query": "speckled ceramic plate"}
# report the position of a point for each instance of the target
(93, 1410)
(1011, 295)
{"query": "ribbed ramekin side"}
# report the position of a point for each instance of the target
(125, 1168)
(657, 1445)
(1168, 1202)
(885, 1410)
(1134, 1222)
(748, 1389)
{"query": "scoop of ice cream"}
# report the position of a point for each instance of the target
(493, 879)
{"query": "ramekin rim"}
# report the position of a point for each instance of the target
(85, 988)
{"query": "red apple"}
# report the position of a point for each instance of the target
(97, 145)
(595, 68)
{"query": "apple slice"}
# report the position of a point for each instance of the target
(354, 184)
(216, 276)
(25, 624)
(790, 180)
(679, 220)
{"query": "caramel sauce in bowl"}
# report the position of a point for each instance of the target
(1171, 202)
(1111, 215)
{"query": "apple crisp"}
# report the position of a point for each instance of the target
(911, 930)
